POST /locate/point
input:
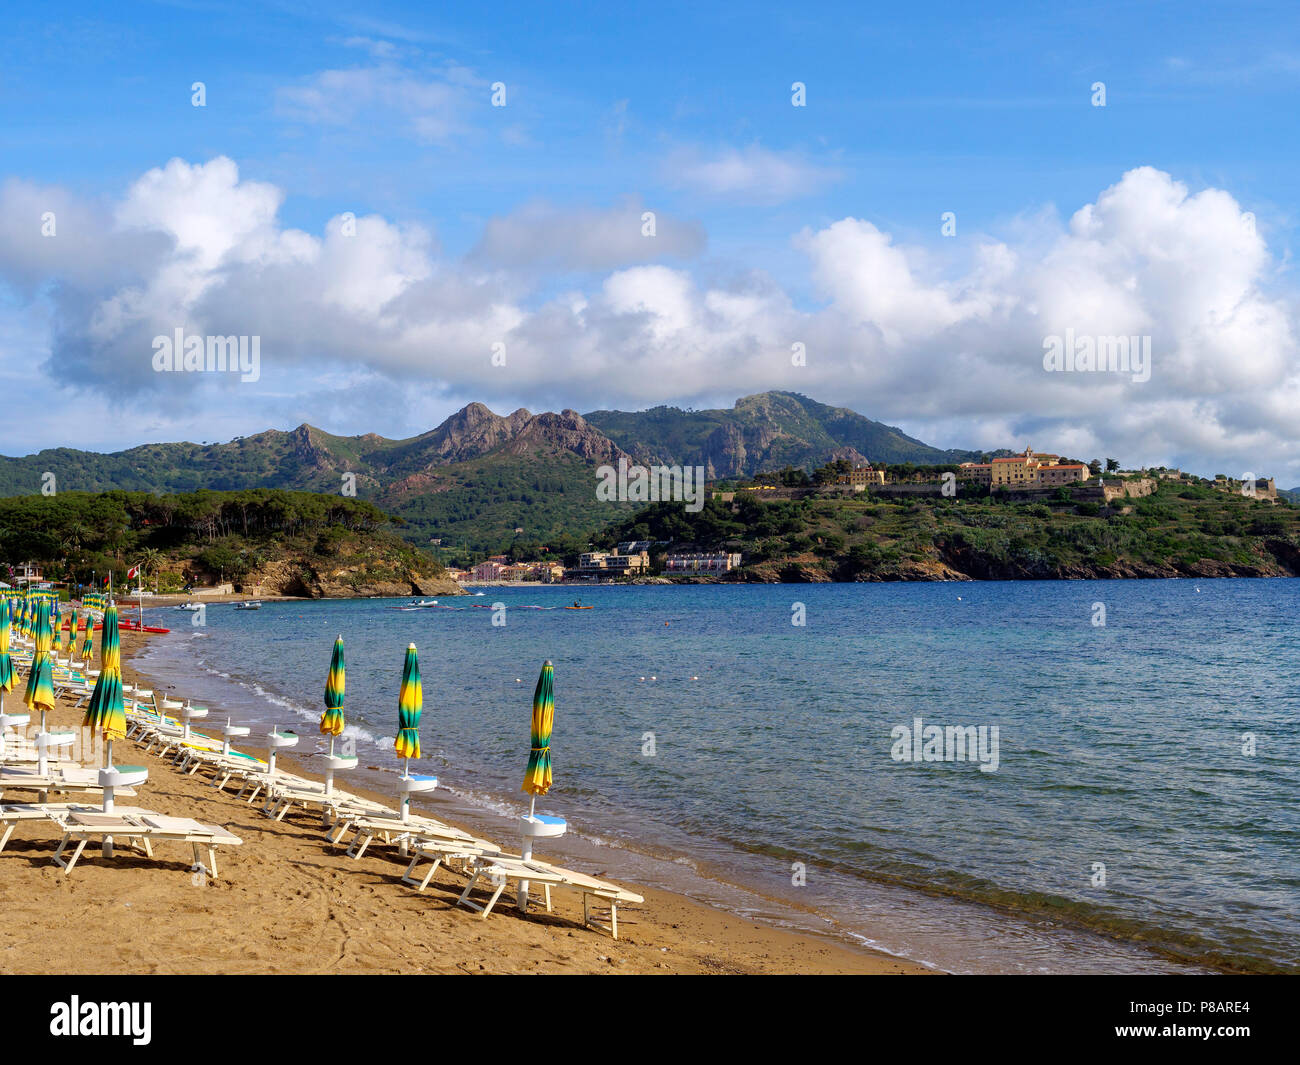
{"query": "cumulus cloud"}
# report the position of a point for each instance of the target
(948, 342)
(544, 235)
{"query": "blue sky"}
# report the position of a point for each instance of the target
(912, 110)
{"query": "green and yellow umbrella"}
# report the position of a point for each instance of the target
(537, 777)
(40, 682)
(58, 630)
(8, 675)
(331, 722)
(106, 711)
(88, 644)
(410, 704)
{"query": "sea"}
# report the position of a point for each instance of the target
(1113, 785)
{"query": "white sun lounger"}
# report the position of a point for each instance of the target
(144, 828)
(500, 870)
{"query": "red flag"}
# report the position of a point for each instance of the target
(132, 572)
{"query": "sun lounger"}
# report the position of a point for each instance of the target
(14, 814)
(282, 797)
(60, 779)
(390, 828)
(500, 870)
(440, 851)
(144, 828)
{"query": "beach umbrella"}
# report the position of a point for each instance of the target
(88, 644)
(410, 703)
(106, 710)
(8, 676)
(537, 777)
(74, 633)
(331, 722)
(58, 630)
(40, 682)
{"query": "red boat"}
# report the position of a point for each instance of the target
(131, 626)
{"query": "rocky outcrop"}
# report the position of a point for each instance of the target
(308, 581)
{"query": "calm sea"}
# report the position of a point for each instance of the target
(1142, 816)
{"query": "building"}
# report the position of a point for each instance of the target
(860, 476)
(709, 562)
(608, 565)
(1032, 469)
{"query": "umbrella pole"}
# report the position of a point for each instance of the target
(526, 853)
(108, 795)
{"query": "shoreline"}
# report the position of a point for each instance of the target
(289, 902)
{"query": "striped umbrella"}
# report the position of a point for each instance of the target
(331, 722)
(74, 633)
(8, 676)
(537, 777)
(88, 644)
(410, 703)
(106, 711)
(57, 617)
(40, 682)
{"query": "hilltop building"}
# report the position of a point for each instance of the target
(1031, 469)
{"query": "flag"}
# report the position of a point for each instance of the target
(132, 572)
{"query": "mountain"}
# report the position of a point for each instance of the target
(479, 476)
(763, 432)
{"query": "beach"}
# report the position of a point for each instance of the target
(290, 902)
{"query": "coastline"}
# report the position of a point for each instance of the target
(289, 902)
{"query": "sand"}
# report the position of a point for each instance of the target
(289, 902)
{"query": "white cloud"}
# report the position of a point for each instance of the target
(753, 174)
(433, 107)
(950, 348)
(544, 236)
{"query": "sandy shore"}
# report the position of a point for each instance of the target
(288, 902)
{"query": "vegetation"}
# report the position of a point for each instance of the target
(178, 539)
(1183, 529)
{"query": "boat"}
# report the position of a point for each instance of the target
(188, 606)
(250, 605)
(131, 626)
(579, 608)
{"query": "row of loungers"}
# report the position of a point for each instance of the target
(421, 839)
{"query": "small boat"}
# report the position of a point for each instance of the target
(250, 605)
(576, 607)
(188, 606)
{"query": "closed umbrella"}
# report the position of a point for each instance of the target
(8, 675)
(40, 682)
(331, 722)
(88, 644)
(410, 704)
(537, 777)
(106, 712)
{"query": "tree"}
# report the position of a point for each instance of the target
(1095, 467)
(1112, 465)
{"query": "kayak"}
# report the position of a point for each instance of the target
(579, 608)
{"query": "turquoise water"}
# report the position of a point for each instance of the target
(1119, 744)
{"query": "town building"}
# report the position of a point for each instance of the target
(708, 562)
(608, 565)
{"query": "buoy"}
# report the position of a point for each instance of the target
(695, 678)
(643, 678)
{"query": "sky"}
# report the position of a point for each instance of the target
(893, 208)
